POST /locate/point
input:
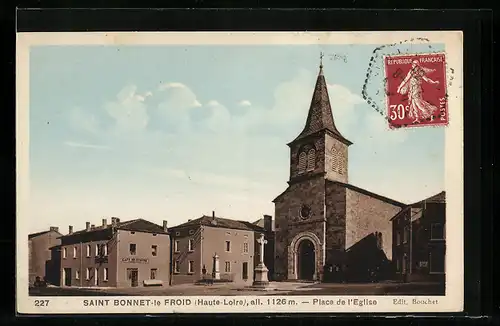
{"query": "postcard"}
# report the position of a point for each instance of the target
(242, 172)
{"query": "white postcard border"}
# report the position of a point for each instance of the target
(451, 302)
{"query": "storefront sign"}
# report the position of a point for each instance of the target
(134, 260)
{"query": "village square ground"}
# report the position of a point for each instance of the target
(275, 288)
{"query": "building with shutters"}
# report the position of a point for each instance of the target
(212, 248)
(419, 240)
(44, 263)
(125, 254)
(321, 220)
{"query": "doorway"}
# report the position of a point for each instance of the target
(306, 260)
(133, 276)
(245, 271)
(67, 277)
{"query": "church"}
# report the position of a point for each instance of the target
(325, 228)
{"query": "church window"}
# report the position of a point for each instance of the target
(311, 159)
(302, 162)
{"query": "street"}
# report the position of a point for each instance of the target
(275, 288)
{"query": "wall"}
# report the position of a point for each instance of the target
(214, 242)
(143, 241)
(318, 143)
(336, 222)
(80, 262)
(183, 256)
(41, 257)
(336, 159)
(366, 214)
(289, 224)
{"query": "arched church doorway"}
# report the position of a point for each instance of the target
(306, 260)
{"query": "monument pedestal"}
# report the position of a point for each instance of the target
(261, 279)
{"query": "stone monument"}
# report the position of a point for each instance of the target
(215, 271)
(261, 270)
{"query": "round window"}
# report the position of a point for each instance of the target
(305, 211)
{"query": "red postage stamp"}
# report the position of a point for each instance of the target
(416, 90)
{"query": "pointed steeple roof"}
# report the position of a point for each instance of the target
(320, 115)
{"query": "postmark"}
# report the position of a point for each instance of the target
(416, 90)
(375, 85)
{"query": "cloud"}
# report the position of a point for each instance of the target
(83, 145)
(128, 111)
(244, 103)
(171, 85)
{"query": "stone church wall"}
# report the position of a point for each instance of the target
(335, 216)
(289, 223)
(366, 214)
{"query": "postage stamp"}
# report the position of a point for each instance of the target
(416, 90)
(239, 172)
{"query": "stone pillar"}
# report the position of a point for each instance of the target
(215, 271)
(261, 270)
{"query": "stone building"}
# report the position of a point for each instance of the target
(42, 262)
(121, 254)
(419, 240)
(211, 247)
(320, 216)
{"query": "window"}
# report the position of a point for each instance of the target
(98, 249)
(133, 249)
(245, 247)
(437, 231)
(191, 267)
(65, 252)
(191, 231)
(105, 274)
(436, 263)
(153, 273)
(398, 265)
(88, 250)
(302, 162)
(228, 246)
(176, 266)
(87, 275)
(191, 245)
(398, 238)
(74, 252)
(154, 250)
(105, 249)
(176, 246)
(227, 267)
(77, 274)
(405, 235)
(311, 159)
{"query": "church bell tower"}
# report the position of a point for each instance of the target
(320, 149)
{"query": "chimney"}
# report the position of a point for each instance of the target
(87, 226)
(113, 221)
(104, 222)
(54, 228)
(213, 215)
(92, 226)
(70, 229)
(268, 223)
(165, 226)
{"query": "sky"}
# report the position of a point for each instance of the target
(175, 132)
